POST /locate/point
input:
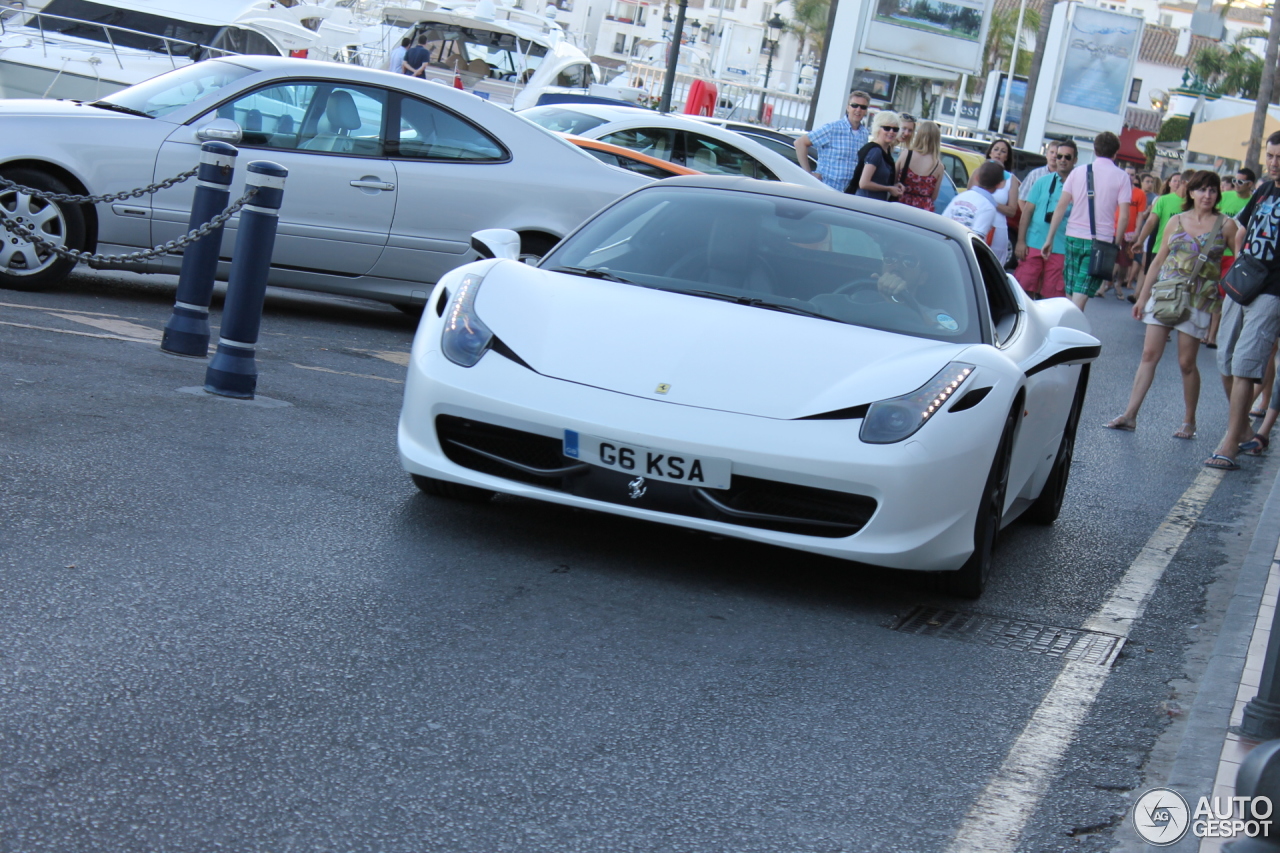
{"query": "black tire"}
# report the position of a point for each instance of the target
(452, 491)
(971, 579)
(534, 246)
(22, 265)
(1048, 506)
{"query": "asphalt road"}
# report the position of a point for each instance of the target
(239, 626)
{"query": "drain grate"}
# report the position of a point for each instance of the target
(1016, 634)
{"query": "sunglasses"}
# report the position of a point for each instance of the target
(1066, 156)
(859, 106)
(906, 261)
(906, 117)
(891, 129)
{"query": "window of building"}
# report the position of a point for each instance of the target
(620, 43)
(1135, 90)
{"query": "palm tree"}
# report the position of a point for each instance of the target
(1232, 70)
(1000, 37)
(809, 22)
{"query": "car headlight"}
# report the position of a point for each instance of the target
(899, 417)
(466, 338)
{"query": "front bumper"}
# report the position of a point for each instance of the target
(908, 506)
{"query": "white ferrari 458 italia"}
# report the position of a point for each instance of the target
(760, 360)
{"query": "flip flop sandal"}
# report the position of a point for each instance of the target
(1222, 463)
(1258, 413)
(1255, 446)
(1185, 433)
(1119, 423)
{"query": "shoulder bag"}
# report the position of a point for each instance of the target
(1102, 255)
(1171, 297)
(1248, 275)
(852, 188)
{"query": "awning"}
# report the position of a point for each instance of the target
(1133, 145)
(1227, 138)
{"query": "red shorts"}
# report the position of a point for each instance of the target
(1038, 276)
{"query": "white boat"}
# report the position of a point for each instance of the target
(86, 49)
(506, 55)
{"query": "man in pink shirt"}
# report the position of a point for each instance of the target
(1112, 194)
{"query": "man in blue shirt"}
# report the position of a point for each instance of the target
(837, 144)
(1040, 267)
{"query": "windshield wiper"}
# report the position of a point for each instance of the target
(755, 302)
(118, 108)
(594, 272)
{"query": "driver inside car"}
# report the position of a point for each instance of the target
(905, 279)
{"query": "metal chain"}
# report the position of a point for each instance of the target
(5, 183)
(163, 249)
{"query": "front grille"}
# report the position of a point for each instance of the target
(538, 460)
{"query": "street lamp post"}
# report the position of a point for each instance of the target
(775, 24)
(673, 57)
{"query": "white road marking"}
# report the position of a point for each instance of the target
(348, 373)
(63, 310)
(119, 327)
(79, 334)
(996, 820)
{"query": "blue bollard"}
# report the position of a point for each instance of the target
(233, 371)
(187, 332)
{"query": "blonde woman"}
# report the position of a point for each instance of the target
(920, 167)
(878, 177)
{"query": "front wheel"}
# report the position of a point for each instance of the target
(971, 579)
(29, 266)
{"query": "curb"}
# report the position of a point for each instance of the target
(1195, 765)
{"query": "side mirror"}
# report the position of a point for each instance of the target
(222, 129)
(497, 243)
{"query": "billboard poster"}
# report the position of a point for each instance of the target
(944, 34)
(1098, 60)
(961, 19)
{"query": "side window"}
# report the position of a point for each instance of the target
(271, 117)
(716, 158)
(237, 40)
(1000, 298)
(956, 169)
(654, 141)
(640, 167)
(427, 132)
(576, 76)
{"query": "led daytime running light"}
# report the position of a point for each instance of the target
(893, 420)
(466, 338)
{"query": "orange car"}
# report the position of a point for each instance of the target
(626, 158)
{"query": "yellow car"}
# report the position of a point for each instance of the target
(960, 163)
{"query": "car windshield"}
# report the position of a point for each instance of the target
(162, 95)
(561, 120)
(782, 254)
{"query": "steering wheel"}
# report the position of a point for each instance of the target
(860, 288)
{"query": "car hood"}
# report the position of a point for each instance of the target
(711, 354)
(16, 107)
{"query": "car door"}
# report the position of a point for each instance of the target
(456, 179)
(341, 192)
(1048, 392)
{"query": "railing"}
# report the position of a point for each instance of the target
(195, 51)
(737, 101)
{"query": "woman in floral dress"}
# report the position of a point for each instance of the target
(920, 167)
(1186, 236)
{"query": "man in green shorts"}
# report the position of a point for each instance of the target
(1112, 191)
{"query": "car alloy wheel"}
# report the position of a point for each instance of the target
(24, 265)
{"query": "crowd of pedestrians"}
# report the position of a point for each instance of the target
(1084, 232)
